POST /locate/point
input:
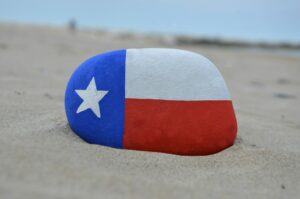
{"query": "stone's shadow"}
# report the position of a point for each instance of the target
(62, 127)
(240, 141)
(69, 132)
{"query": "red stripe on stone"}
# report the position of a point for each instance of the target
(179, 127)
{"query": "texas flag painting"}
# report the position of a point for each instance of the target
(162, 100)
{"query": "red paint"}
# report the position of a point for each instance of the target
(179, 127)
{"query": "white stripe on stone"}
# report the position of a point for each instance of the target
(171, 74)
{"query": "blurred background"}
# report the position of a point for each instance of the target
(254, 43)
(271, 21)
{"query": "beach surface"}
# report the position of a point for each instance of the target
(40, 157)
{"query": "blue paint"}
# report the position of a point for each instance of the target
(108, 69)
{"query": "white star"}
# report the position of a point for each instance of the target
(91, 98)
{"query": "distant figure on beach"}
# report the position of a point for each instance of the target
(72, 25)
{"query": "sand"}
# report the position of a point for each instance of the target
(40, 157)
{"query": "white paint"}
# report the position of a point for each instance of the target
(91, 98)
(172, 74)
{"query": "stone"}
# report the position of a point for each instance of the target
(162, 100)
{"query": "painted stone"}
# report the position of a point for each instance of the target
(163, 100)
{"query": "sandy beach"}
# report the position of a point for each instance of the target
(40, 157)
